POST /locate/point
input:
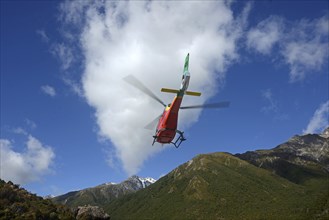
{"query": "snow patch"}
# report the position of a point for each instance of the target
(110, 183)
(146, 181)
(49, 197)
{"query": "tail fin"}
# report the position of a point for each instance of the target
(186, 62)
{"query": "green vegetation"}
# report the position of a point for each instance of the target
(290, 181)
(75, 199)
(17, 203)
(222, 186)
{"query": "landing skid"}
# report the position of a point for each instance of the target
(178, 140)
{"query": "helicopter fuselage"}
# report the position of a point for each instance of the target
(167, 126)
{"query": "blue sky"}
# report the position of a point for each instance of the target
(68, 121)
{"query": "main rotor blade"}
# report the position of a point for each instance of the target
(211, 105)
(152, 124)
(139, 85)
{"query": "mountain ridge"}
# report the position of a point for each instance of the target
(289, 181)
(103, 193)
(308, 154)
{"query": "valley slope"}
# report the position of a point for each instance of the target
(290, 181)
(287, 182)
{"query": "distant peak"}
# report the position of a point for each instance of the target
(149, 179)
(134, 177)
(143, 179)
(110, 183)
(144, 182)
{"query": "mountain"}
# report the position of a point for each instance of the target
(104, 193)
(299, 159)
(290, 181)
(17, 203)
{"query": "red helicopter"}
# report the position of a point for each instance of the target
(167, 122)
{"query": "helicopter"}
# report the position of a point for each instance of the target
(166, 128)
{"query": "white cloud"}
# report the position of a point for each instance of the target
(43, 35)
(23, 131)
(272, 105)
(19, 130)
(306, 47)
(75, 86)
(26, 166)
(319, 121)
(31, 124)
(48, 90)
(304, 57)
(149, 40)
(64, 54)
(265, 35)
(302, 44)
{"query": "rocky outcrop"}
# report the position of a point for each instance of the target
(91, 213)
(301, 156)
(325, 133)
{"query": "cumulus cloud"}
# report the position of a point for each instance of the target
(319, 121)
(149, 39)
(302, 44)
(48, 90)
(263, 37)
(27, 166)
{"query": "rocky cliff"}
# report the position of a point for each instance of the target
(301, 157)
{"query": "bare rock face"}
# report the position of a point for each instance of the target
(325, 133)
(91, 213)
(309, 147)
(302, 155)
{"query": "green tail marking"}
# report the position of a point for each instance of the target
(186, 62)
